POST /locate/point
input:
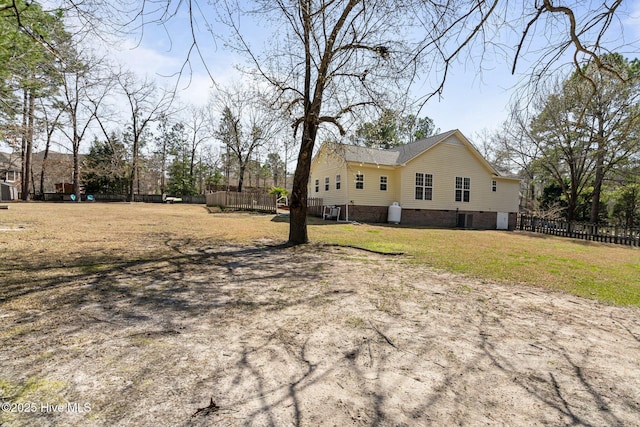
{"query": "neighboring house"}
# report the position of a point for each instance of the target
(440, 181)
(59, 168)
(9, 168)
(9, 176)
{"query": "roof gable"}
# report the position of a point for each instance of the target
(401, 154)
(408, 152)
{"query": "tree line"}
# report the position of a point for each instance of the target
(57, 94)
(577, 144)
(328, 68)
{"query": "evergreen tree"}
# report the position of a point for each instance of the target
(392, 129)
(28, 59)
(105, 167)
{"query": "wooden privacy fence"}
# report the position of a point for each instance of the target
(146, 198)
(596, 232)
(250, 201)
(314, 206)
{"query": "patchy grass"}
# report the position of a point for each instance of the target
(599, 271)
(92, 236)
(153, 312)
(34, 388)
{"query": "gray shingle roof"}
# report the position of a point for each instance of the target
(394, 156)
(354, 153)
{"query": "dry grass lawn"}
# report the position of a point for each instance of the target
(146, 315)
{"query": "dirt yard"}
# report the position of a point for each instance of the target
(266, 335)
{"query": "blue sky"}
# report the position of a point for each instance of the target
(472, 101)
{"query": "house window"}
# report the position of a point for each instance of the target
(337, 182)
(424, 186)
(326, 183)
(359, 181)
(494, 186)
(317, 185)
(10, 176)
(383, 183)
(463, 189)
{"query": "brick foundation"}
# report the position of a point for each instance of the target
(428, 218)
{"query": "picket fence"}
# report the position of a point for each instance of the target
(246, 201)
(585, 231)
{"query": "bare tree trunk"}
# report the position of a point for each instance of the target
(599, 177)
(163, 169)
(134, 170)
(298, 204)
(597, 188)
(43, 170)
(572, 204)
(28, 144)
(241, 177)
(76, 159)
(44, 165)
(24, 172)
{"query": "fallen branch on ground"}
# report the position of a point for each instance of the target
(363, 249)
(212, 408)
(383, 335)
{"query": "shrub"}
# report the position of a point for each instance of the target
(279, 191)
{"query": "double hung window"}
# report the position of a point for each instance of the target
(384, 181)
(463, 189)
(424, 186)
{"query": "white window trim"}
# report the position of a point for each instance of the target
(385, 183)
(424, 186)
(464, 188)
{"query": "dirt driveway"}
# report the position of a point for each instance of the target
(314, 335)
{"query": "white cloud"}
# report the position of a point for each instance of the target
(143, 60)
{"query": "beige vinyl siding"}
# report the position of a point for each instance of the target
(371, 195)
(506, 198)
(446, 161)
(328, 165)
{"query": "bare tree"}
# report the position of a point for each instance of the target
(246, 124)
(330, 60)
(572, 29)
(562, 142)
(610, 107)
(51, 117)
(578, 131)
(335, 59)
(146, 103)
(197, 128)
(84, 89)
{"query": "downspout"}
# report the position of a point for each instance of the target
(346, 204)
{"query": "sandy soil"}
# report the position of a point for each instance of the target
(314, 335)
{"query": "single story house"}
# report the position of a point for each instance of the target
(439, 181)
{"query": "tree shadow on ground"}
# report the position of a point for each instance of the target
(302, 335)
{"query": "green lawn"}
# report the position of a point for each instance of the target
(87, 235)
(599, 271)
